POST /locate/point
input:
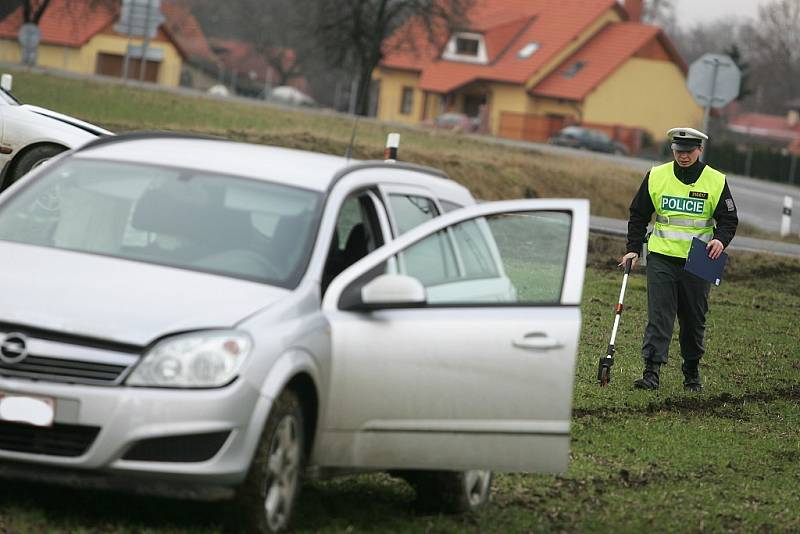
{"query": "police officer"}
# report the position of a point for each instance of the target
(690, 199)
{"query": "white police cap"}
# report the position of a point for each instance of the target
(686, 138)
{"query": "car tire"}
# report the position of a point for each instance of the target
(450, 492)
(31, 159)
(266, 499)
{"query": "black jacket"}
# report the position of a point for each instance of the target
(642, 209)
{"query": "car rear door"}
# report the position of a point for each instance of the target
(475, 377)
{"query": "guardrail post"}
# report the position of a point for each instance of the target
(786, 219)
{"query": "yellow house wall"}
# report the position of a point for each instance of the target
(644, 93)
(9, 51)
(83, 60)
(505, 98)
(391, 95)
(550, 106)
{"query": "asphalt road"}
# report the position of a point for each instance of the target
(760, 202)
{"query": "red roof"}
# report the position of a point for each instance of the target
(601, 56)
(186, 31)
(245, 60)
(65, 23)
(759, 124)
(507, 26)
(73, 23)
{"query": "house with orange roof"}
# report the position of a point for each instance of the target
(530, 67)
(80, 36)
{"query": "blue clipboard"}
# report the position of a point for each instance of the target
(699, 264)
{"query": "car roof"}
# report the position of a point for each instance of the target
(300, 168)
(283, 165)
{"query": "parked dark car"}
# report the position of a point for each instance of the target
(588, 139)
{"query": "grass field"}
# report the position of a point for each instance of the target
(726, 460)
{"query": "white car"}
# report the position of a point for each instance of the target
(30, 135)
(212, 319)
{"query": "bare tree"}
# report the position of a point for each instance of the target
(774, 53)
(34, 10)
(660, 13)
(275, 28)
(353, 34)
(707, 37)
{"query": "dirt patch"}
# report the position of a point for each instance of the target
(724, 405)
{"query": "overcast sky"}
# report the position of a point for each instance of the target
(689, 11)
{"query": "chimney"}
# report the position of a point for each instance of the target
(634, 9)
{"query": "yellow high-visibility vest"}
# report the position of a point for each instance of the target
(682, 211)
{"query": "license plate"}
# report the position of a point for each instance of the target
(38, 411)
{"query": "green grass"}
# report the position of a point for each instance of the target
(724, 460)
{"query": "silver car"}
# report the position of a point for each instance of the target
(209, 319)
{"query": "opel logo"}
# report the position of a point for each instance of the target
(13, 349)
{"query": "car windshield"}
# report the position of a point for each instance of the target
(189, 219)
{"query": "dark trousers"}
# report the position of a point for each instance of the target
(671, 292)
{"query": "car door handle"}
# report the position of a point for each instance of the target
(537, 341)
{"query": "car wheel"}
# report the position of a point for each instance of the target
(452, 492)
(267, 497)
(31, 159)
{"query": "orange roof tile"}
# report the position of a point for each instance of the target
(186, 31)
(65, 23)
(601, 56)
(553, 24)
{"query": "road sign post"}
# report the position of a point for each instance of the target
(714, 81)
(139, 18)
(29, 37)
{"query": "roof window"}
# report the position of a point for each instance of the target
(468, 47)
(528, 50)
(574, 69)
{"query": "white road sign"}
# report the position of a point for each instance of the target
(714, 80)
(140, 18)
(29, 37)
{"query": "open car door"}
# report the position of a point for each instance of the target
(454, 346)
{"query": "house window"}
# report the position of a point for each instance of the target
(466, 46)
(407, 101)
(528, 50)
(574, 69)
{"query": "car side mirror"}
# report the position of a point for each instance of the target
(390, 291)
(6, 81)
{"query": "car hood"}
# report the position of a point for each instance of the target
(118, 300)
(66, 119)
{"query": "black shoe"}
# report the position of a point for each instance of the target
(649, 378)
(691, 376)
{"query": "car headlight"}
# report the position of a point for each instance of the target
(196, 360)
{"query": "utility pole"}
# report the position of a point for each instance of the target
(146, 41)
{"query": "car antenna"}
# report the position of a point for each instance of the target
(349, 152)
(392, 144)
